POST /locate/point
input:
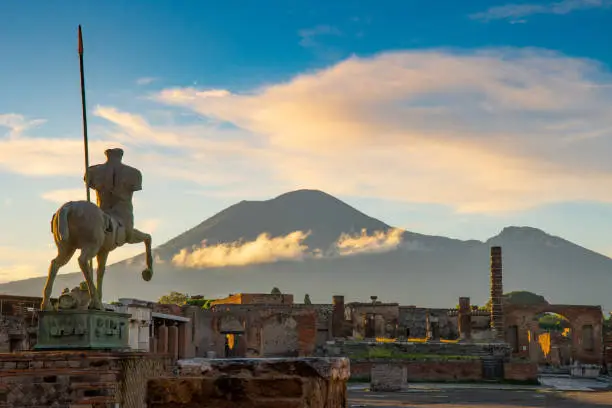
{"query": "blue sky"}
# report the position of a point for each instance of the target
(451, 118)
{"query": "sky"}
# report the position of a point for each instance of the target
(451, 118)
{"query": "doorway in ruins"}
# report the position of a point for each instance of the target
(232, 342)
(551, 344)
(370, 326)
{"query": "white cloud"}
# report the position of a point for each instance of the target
(148, 225)
(290, 247)
(486, 131)
(64, 195)
(264, 249)
(514, 12)
(146, 80)
(308, 36)
(378, 242)
(17, 124)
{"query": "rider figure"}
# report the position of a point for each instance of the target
(115, 184)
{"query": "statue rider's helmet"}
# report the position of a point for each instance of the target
(114, 153)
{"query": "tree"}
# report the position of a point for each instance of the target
(276, 291)
(182, 299)
(521, 297)
(307, 299)
(174, 298)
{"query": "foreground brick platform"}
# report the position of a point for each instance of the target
(253, 383)
(83, 379)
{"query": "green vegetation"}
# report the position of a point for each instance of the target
(276, 291)
(182, 299)
(307, 299)
(553, 322)
(483, 308)
(521, 297)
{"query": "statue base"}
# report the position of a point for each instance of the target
(82, 330)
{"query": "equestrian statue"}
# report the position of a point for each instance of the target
(98, 229)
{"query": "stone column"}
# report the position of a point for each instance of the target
(162, 340)
(338, 316)
(433, 327)
(464, 319)
(497, 292)
(173, 341)
(184, 338)
(152, 345)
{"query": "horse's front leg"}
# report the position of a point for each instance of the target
(136, 238)
(101, 258)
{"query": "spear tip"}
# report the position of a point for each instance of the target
(80, 40)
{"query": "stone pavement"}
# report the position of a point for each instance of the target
(550, 383)
(557, 391)
(479, 398)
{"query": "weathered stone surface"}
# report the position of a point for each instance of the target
(388, 377)
(82, 330)
(63, 379)
(250, 383)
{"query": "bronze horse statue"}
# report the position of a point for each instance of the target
(98, 230)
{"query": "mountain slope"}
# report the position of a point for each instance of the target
(303, 210)
(424, 270)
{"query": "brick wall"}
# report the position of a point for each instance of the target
(459, 370)
(520, 371)
(44, 379)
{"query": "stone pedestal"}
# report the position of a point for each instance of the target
(388, 377)
(82, 330)
(78, 378)
(253, 383)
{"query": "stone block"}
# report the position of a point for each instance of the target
(388, 377)
(82, 330)
(253, 383)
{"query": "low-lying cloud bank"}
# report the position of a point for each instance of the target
(266, 249)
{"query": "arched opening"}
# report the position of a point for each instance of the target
(552, 340)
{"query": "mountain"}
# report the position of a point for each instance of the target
(423, 270)
(302, 210)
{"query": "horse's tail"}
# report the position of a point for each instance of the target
(60, 223)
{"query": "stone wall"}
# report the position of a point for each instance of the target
(256, 299)
(388, 377)
(407, 350)
(270, 331)
(425, 371)
(521, 319)
(45, 379)
(412, 322)
(253, 383)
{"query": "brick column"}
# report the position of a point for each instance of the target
(173, 341)
(338, 316)
(465, 319)
(497, 292)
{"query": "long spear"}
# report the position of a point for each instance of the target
(84, 114)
